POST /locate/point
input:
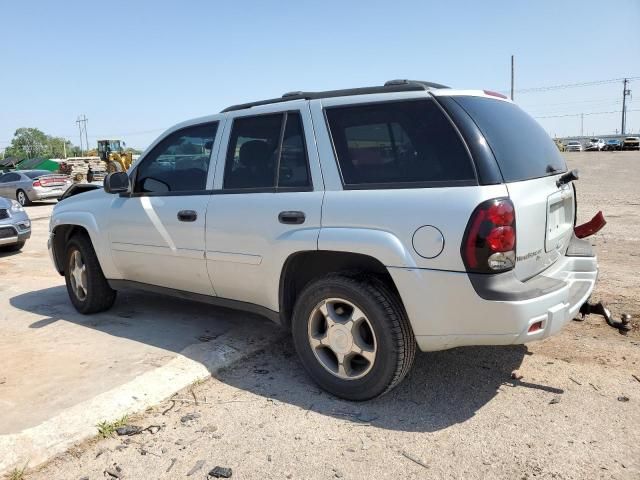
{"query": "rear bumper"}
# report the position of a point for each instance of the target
(35, 193)
(446, 309)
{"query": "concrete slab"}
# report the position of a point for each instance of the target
(62, 372)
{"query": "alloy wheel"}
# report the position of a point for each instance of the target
(342, 338)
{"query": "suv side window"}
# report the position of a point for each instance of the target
(266, 151)
(407, 143)
(179, 163)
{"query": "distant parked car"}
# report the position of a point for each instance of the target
(573, 147)
(15, 226)
(631, 143)
(28, 186)
(612, 144)
(595, 145)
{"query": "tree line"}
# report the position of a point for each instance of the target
(34, 143)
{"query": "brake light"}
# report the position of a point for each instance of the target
(489, 242)
(494, 94)
(36, 183)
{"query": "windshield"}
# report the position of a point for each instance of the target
(612, 141)
(573, 143)
(37, 173)
(522, 148)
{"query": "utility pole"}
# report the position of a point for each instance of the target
(512, 68)
(82, 127)
(625, 91)
(64, 147)
(582, 124)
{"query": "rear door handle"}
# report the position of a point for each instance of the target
(291, 217)
(187, 215)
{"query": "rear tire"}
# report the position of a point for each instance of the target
(88, 289)
(377, 356)
(22, 198)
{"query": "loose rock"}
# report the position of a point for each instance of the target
(128, 430)
(623, 398)
(199, 464)
(189, 417)
(220, 472)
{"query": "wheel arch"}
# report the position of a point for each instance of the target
(67, 224)
(300, 268)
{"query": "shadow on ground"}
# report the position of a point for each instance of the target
(443, 389)
(6, 253)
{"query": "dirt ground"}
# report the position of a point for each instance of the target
(574, 413)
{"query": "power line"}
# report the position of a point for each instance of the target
(574, 85)
(124, 134)
(574, 102)
(588, 113)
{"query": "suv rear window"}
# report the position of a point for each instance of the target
(408, 144)
(522, 148)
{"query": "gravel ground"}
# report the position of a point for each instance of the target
(570, 411)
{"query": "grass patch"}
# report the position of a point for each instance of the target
(107, 429)
(18, 473)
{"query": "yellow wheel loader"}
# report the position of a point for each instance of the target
(112, 153)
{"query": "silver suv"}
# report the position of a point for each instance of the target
(367, 221)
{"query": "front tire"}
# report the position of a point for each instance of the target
(353, 336)
(88, 289)
(113, 167)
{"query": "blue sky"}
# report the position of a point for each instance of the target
(136, 68)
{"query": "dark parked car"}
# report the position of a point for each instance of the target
(612, 144)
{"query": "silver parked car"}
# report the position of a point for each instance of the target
(573, 147)
(368, 221)
(595, 145)
(28, 186)
(15, 226)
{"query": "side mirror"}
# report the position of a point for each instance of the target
(116, 182)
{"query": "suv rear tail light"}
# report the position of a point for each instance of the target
(489, 243)
(36, 183)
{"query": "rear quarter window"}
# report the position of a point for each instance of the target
(398, 144)
(522, 148)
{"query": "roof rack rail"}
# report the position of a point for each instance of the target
(404, 81)
(390, 86)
